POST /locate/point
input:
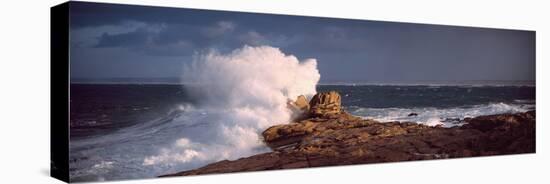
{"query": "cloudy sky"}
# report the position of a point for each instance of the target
(119, 41)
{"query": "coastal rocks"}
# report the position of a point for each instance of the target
(300, 108)
(301, 103)
(287, 134)
(325, 103)
(503, 121)
(338, 138)
(510, 133)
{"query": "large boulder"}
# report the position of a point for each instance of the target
(325, 104)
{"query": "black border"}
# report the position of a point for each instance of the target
(59, 91)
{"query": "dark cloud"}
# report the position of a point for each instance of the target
(345, 49)
(133, 38)
(168, 39)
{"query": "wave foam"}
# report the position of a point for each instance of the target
(446, 117)
(241, 93)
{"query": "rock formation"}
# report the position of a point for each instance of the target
(325, 104)
(301, 103)
(333, 137)
(300, 108)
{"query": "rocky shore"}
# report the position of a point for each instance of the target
(325, 135)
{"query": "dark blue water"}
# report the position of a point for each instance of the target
(429, 96)
(99, 108)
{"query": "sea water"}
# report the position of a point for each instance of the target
(124, 131)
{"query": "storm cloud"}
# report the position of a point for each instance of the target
(120, 41)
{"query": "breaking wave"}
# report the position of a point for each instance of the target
(240, 94)
(447, 117)
(237, 95)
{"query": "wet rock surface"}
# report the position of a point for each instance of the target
(325, 104)
(335, 137)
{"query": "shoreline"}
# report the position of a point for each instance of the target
(334, 137)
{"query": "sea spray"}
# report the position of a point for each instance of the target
(431, 116)
(240, 94)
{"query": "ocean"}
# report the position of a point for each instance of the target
(124, 131)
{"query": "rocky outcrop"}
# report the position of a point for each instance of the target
(300, 108)
(325, 104)
(301, 103)
(338, 138)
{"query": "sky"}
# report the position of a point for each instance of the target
(122, 42)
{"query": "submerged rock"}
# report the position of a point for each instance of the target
(333, 137)
(412, 114)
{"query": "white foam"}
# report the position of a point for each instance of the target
(437, 116)
(433, 122)
(241, 94)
